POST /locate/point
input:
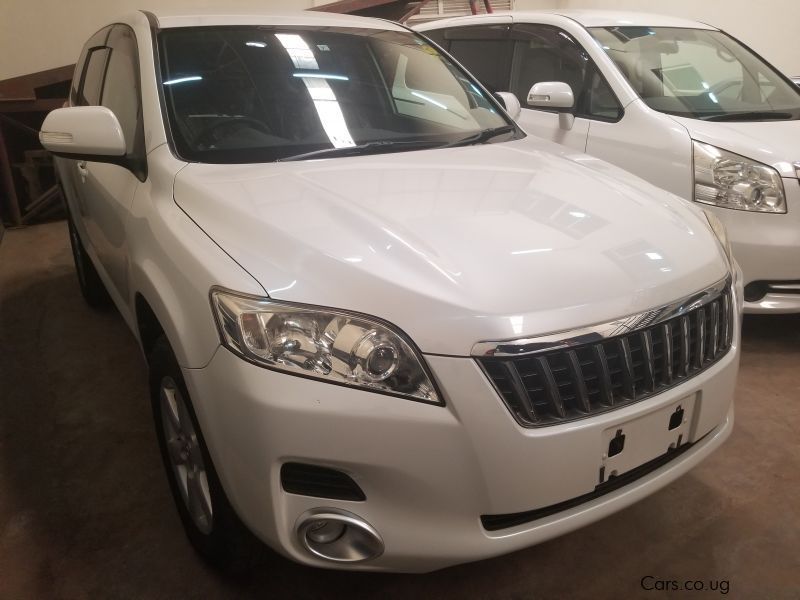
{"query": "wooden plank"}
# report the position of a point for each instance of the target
(41, 105)
(348, 6)
(24, 87)
(8, 183)
(42, 203)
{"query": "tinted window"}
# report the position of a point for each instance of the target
(485, 51)
(546, 53)
(438, 37)
(92, 80)
(256, 94)
(97, 40)
(121, 89)
(699, 73)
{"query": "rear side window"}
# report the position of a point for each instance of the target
(485, 51)
(92, 81)
(547, 53)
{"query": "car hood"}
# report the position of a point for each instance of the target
(460, 245)
(773, 143)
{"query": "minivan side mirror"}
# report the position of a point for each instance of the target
(84, 133)
(510, 103)
(555, 95)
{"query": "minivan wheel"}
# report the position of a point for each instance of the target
(210, 523)
(92, 288)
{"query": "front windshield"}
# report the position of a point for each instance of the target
(259, 94)
(699, 73)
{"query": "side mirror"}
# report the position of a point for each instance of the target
(84, 133)
(510, 103)
(555, 95)
(551, 94)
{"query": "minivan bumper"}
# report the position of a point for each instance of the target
(767, 248)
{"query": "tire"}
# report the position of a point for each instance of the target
(210, 523)
(92, 287)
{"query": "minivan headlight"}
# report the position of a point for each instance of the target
(727, 180)
(326, 344)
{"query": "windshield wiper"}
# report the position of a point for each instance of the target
(375, 147)
(481, 137)
(750, 116)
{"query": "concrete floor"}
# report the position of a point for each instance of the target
(85, 511)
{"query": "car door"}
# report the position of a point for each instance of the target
(548, 53)
(106, 190)
(87, 85)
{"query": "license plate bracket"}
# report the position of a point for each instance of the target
(633, 443)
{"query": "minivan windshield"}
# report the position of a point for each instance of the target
(699, 73)
(260, 94)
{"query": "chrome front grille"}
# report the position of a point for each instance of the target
(605, 369)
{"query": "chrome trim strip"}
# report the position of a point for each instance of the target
(596, 333)
(794, 287)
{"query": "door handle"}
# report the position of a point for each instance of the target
(82, 170)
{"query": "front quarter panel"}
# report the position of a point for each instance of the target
(174, 264)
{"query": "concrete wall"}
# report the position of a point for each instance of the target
(41, 34)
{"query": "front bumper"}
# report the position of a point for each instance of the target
(767, 247)
(428, 472)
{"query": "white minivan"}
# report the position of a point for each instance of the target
(679, 103)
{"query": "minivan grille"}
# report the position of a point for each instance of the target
(586, 379)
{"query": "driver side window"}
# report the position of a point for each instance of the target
(121, 85)
(547, 53)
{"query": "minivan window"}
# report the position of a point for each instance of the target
(699, 73)
(485, 51)
(259, 94)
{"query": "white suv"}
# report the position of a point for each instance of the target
(385, 330)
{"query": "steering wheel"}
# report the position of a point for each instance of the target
(202, 138)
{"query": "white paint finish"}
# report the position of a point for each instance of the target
(767, 247)
(437, 234)
(648, 144)
(612, 18)
(490, 464)
(231, 16)
(83, 130)
(173, 265)
(454, 245)
(551, 94)
(774, 143)
(511, 104)
(658, 148)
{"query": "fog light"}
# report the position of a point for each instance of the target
(338, 535)
(324, 531)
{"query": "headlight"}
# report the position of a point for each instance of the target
(728, 180)
(327, 344)
(722, 234)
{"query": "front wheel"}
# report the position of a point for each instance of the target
(210, 523)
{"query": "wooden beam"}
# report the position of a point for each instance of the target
(24, 87)
(8, 183)
(41, 105)
(349, 6)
